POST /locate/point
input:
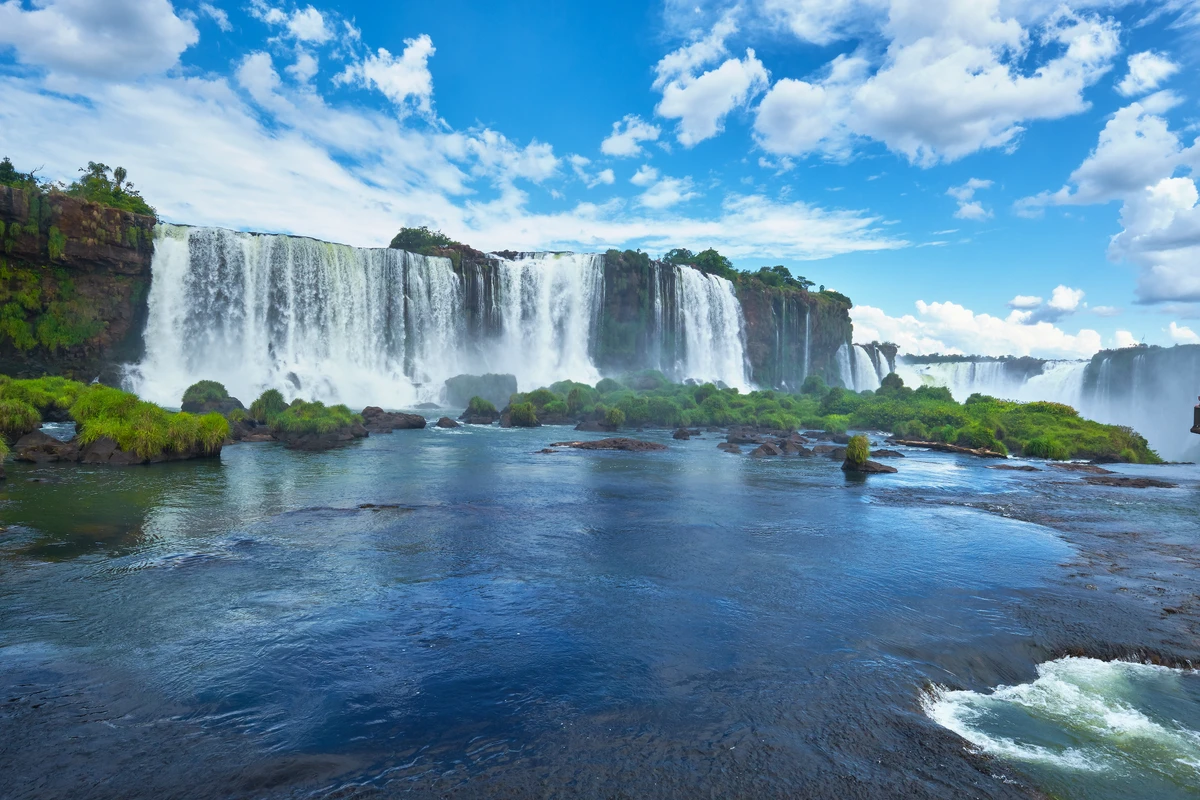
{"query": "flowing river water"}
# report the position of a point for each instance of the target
(445, 612)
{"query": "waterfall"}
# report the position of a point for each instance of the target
(807, 331)
(1151, 390)
(549, 307)
(711, 329)
(385, 327)
(328, 321)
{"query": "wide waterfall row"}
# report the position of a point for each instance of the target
(386, 327)
(862, 367)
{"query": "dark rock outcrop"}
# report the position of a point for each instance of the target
(867, 468)
(39, 448)
(322, 441)
(1014, 467)
(616, 443)
(105, 451)
(220, 406)
(376, 420)
(1129, 483)
(729, 447)
(1090, 469)
(248, 430)
(682, 434)
(766, 449)
(592, 426)
(446, 422)
(948, 448)
(887, 454)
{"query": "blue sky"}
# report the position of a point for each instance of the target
(979, 176)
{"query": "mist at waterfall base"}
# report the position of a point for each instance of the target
(438, 613)
(1151, 390)
(386, 327)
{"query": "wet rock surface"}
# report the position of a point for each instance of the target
(615, 443)
(867, 468)
(376, 420)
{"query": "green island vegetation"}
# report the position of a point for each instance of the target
(523, 414)
(858, 449)
(102, 411)
(301, 417)
(269, 405)
(711, 262)
(205, 392)
(478, 407)
(1036, 430)
(39, 303)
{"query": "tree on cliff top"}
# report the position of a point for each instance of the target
(10, 177)
(419, 240)
(102, 184)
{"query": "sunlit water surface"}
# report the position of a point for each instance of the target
(686, 623)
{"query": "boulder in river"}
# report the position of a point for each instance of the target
(322, 441)
(887, 454)
(1129, 483)
(729, 447)
(766, 449)
(1014, 467)
(1091, 469)
(682, 433)
(39, 448)
(106, 451)
(867, 468)
(615, 443)
(446, 422)
(376, 420)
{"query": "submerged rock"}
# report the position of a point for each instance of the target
(39, 448)
(729, 447)
(376, 420)
(682, 433)
(323, 441)
(1129, 483)
(591, 426)
(887, 454)
(1091, 469)
(766, 449)
(1014, 467)
(105, 451)
(615, 443)
(942, 447)
(446, 422)
(867, 468)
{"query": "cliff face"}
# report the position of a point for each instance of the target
(789, 332)
(74, 278)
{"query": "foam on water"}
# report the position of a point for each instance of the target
(1089, 728)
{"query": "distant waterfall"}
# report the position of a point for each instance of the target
(1151, 390)
(386, 327)
(861, 369)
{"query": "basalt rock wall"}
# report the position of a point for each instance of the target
(74, 278)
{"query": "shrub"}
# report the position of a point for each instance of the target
(522, 415)
(302, 418)
(891, 382)
(204, 392)
(555, 408)
(835, 423)
(18, 418)
(608, 386)
(236, 415)
(268, 406)
(574, 400)
(1054, 409)
(814, 384)
(540, 397)
(614, 418)
(704, 392)
(979, 438)
(636, 409)
(913, 429)
(44, 394)
(665, 411)
(858, 450)
(1045, 447)
(418, 240)
(478, 407)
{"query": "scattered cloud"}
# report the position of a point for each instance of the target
(217, 15)
(1029, 310)
(627, 136)
(1106, 311)
(308, 25)
(114, 39)
(645, 176)
(1146, 73)
(702, 100)
(667, 192)
(1182, 335)
(968, 206)
(951, 328)
(956, 77)
(1123, 339)
(405, 80)
(1025, 301)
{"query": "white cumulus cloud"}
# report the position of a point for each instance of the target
(403, 79)
(108, 39)
(1146, 73)
(968, 206)
(627, 136)
(1182, 335)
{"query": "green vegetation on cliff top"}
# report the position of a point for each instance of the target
(1037, 430)
(98, 183)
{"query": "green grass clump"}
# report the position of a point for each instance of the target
(44, 394)
(237, 415)
(17, 418)
(204, 392)
(614, 418)
(144, 428)
(522, 415)
(268, 406)
(479, 407)
(858, 450)
(302, 418)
